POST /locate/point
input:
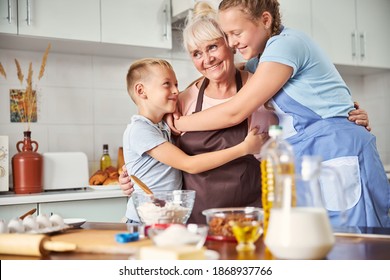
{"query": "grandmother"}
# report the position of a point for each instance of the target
(237, 183)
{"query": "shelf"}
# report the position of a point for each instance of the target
(11, 198)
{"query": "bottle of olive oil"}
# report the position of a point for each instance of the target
(277, 160)
(105, 160)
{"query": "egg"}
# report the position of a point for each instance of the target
(15, 226)
(56, 221)
(30, 224)
(43, 221)
(3, 227)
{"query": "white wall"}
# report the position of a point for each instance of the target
(373, 94)
(83, 102)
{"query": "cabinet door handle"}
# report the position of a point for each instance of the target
(165, 33)
(353, 43)
(362, 45)
(9, 12)
(28, 12)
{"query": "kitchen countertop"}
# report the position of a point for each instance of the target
(373, 245)
(10, 198)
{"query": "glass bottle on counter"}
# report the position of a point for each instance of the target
(105, 160)
(277, 161)
(304, 231)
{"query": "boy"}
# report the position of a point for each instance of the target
(148, 148)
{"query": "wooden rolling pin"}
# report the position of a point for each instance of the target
(31, 244)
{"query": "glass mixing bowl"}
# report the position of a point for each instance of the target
(176, 210)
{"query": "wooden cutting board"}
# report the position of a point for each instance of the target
(100, 241)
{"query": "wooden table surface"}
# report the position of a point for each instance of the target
(347, 247)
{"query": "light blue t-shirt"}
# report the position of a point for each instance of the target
(315, 82)
(313, 107)
(140, 136)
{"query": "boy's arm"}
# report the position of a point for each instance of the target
(171, 155)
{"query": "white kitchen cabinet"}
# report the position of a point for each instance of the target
(296, 14)
(65, 19)
(353, 32)
(138, 23)
(8, 212)
(108, 205)
(8, 16)
(93, 210)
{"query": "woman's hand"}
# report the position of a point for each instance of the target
(359, 116)
(125, 182)
(255, 141)
(169, 119)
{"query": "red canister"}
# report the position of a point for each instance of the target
(27, 166)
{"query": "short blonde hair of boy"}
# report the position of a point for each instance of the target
(201, 27)
(140, 70)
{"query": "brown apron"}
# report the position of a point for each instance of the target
(234, 184)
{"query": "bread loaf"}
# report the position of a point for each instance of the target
(112, 172)
(111, 181)
(98, 178)
(109, 176)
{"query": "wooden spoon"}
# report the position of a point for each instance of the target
(32, 211)
(156, 201)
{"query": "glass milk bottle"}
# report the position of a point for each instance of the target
(304, 231)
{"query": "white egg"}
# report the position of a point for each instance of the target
(30, 224)
(15, 226)
(56, 220)
(3, 227)
(43, 221)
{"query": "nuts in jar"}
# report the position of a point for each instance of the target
(218, 219)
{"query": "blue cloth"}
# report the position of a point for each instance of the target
(315, 82)
(140, 136)
(313, 107)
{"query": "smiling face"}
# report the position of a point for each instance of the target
(213, 59)
(160, 90)
(248, 36)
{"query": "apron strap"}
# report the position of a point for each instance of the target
(199, 101)
(238, 80)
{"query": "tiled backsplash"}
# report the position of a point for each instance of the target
(372, 92)
(83, 103)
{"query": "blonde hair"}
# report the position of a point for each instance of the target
(255, 8)
(139, 70)
(201, 26)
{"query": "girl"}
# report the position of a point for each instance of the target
(311, 100)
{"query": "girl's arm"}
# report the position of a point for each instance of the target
(268, 79)
(171, 155)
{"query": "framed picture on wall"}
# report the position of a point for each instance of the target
(23, 107)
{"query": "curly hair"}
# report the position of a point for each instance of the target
(201, 26)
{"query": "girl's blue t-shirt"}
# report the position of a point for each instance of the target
(315, 82)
